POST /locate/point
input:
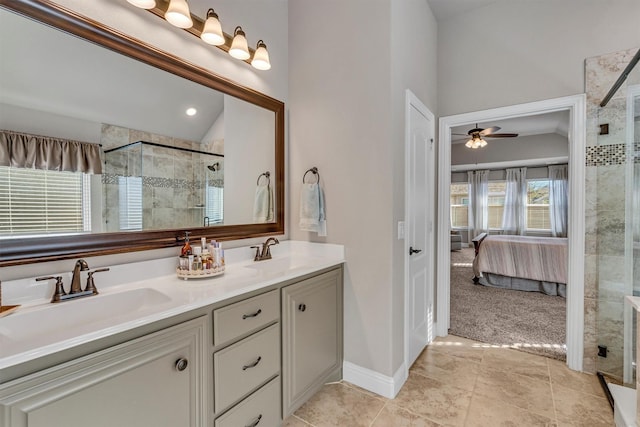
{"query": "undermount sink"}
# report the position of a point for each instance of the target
(70, 318)
(280, 265)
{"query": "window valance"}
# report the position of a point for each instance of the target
(23, 150)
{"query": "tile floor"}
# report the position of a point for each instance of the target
(459, 382)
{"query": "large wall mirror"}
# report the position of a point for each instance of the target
(218, 173)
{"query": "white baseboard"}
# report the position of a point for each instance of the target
(373, 381)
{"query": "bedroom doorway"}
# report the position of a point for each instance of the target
(575, 106)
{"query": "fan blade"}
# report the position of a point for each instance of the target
(502, 135)
(489, 131)
(461, 134)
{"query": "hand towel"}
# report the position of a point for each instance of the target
(312, 212)
(263, 204)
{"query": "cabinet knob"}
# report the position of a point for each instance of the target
(181, 364)
(255, 422)
(302, 307)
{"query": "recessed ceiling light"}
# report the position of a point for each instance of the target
(191, 111)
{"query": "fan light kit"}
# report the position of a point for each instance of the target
(177, 13)
(477, 136)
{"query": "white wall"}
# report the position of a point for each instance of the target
(511, 52)
(512, 149)
(346, 101)
(265, 19)
(248, 131)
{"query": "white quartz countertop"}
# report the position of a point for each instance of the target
(40, 328)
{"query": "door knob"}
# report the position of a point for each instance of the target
(414, 251)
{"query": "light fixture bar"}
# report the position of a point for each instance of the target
(198, 26)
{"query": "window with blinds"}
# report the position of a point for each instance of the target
(34, 201)
(130, 202)
(214, 204)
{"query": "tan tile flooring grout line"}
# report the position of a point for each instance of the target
(303, 421)
(553, 398)
(378, 414)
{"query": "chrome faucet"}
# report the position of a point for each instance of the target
(81, 265)
(264, 251)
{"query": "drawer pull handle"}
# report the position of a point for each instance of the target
(181, 364)
(256, 422)
(302, 307)
(253, 365)
(246, 316)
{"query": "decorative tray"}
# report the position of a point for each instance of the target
(8, 309)
(198, 274)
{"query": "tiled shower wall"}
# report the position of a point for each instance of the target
(172, 184)
(606, 159)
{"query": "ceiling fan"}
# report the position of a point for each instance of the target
(477, 134)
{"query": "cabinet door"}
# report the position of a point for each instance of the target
(312, 336)
(144, 382)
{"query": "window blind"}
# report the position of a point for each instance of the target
(214, 204)
(130, 202)
(35, 201)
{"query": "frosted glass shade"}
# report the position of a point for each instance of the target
(143, 4)
(239, 48)
(261, 57)
(212, 31)
(178, 14)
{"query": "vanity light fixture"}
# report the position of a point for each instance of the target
(143, 4)
(209, 30)
(178, 14)
(239, 48)
(212, 31)
(261, 57)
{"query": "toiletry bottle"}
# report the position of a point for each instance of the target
(186, 248)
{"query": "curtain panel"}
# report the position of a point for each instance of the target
(23, 150)
(478, 202)
(558, 205)
(514, 215)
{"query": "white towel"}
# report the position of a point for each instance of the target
(312, 215)
(263, 204)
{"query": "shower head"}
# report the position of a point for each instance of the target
(214, 167)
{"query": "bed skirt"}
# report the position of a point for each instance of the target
(516, 283)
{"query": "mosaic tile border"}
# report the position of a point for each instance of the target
(158, 182)
(610, 155)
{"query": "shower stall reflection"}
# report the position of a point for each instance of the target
(150, 186)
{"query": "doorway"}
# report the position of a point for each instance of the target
(576, 106)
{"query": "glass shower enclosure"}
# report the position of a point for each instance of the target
(150, 186)
(615, 160)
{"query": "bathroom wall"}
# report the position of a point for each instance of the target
(510, 52)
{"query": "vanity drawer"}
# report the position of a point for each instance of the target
(262, 408)
(241, 367)
(237, 319)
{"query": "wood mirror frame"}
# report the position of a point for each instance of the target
(17, 251)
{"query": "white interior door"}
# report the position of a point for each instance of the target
(419, 228)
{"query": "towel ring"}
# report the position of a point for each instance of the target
(313, 170)
(267, 175)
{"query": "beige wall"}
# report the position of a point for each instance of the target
(347, 118)
(511, 52)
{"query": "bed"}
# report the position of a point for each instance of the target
(524, 263)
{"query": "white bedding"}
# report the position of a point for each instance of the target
(536, 258)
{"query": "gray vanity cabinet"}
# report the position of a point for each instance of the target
(155, 380)
(311, 337)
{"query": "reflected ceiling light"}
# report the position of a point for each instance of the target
(212, 31)
(178, 14)
(143, 4)
(239, 48)
(191, 111)
(261, 57)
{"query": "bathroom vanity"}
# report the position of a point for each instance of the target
(247, 349)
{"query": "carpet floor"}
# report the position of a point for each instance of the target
(527, 321)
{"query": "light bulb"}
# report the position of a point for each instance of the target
(178, 14)
(239, 48)
(261, 57)
(212, 31)
(143, 4)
